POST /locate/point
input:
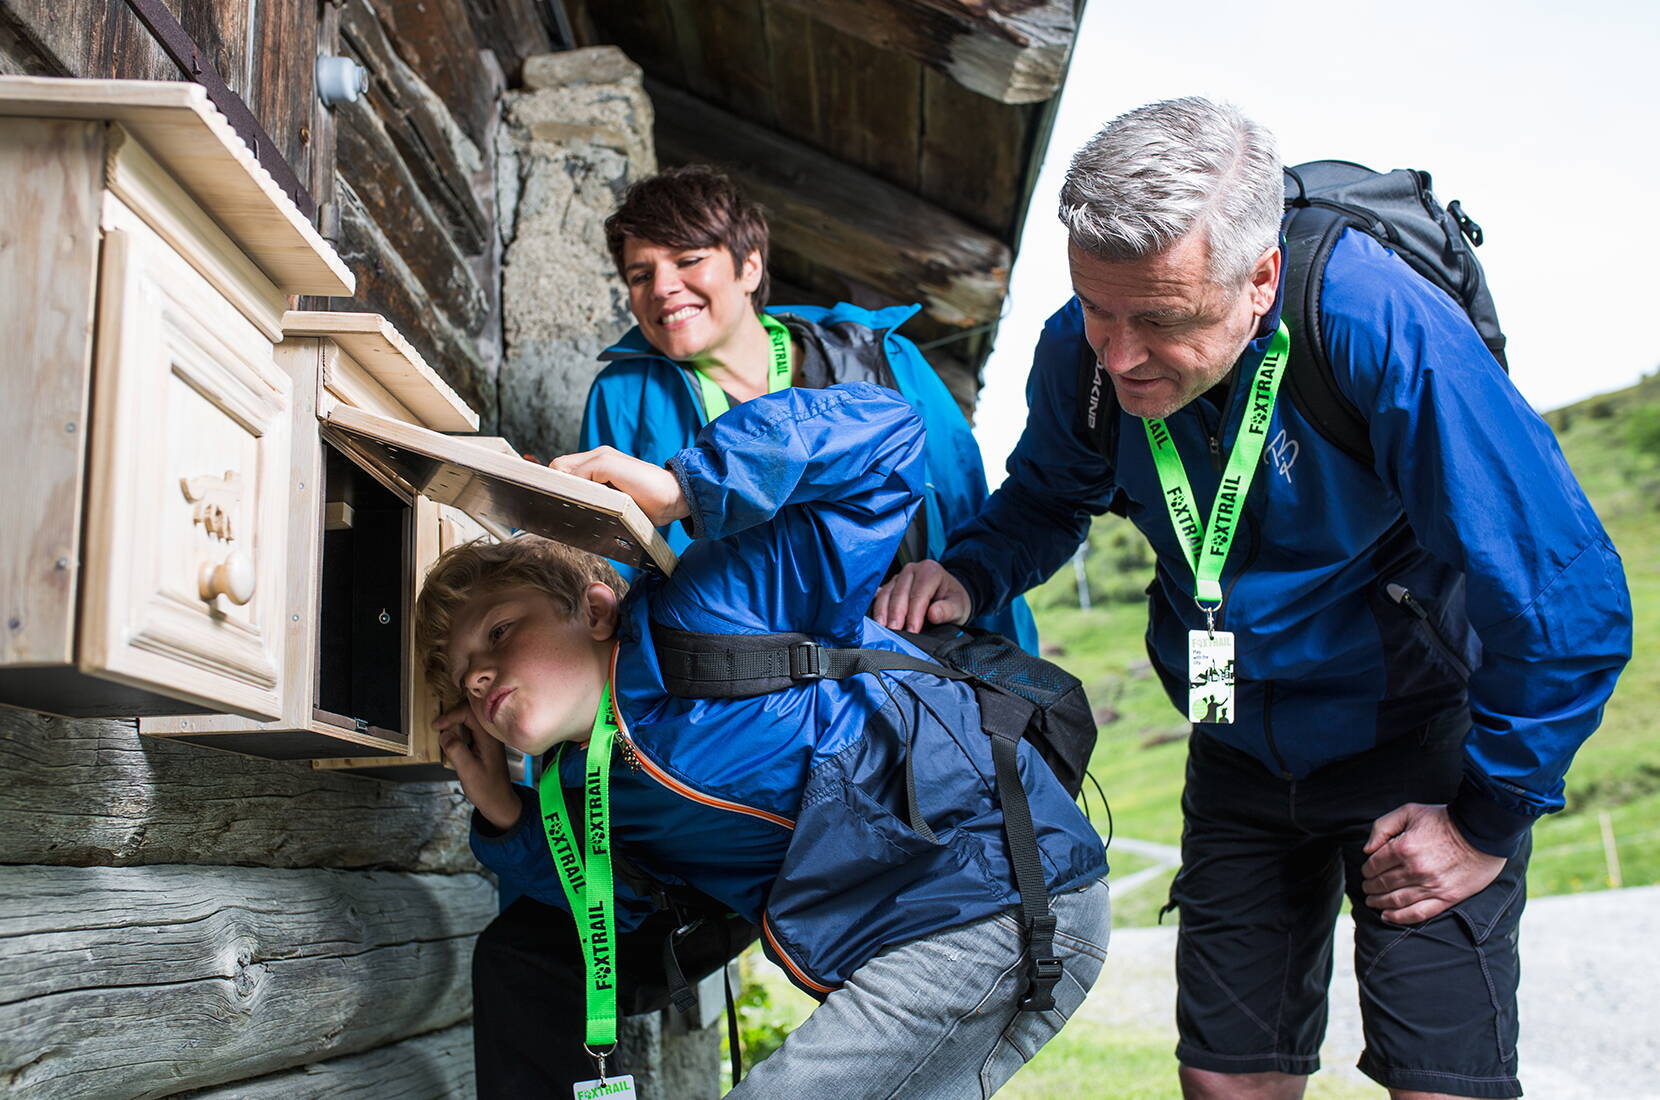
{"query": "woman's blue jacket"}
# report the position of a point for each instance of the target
(646, 405)
(790, 807)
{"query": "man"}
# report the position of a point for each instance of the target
(1389, 668)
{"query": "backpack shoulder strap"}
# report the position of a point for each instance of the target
(738, 666)
(1311, 230)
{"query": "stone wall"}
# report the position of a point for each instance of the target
(576, 135)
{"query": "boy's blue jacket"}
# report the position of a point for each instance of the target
(790, 807)
(1469, 507)
(646, 405)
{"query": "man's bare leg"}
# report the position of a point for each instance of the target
(1204, 1084)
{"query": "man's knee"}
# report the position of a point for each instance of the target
(1204, 1084)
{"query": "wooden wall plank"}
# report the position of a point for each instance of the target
(92, 38)
(831, 214)
(974, 153)
(141, 982)
(93, 793)
(437, 1066)
(281, 89)
(435, 38)
(723, 45)
(870, 103)
(512, 29)
(642, 29)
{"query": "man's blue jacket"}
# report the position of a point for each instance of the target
(1469, 507)
(646, 405)
(791, 807)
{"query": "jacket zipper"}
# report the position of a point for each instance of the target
(1403, 597)
(796, 972)
(653, 769)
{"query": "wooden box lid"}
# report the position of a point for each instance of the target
(382, 351)
(181, 129)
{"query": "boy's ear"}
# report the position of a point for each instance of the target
(599, 611)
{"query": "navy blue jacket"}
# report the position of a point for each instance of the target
(1469, 506)
(790, 807)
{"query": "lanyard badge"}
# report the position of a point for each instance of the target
(585, 874)
(1210, 652)
(715, 401)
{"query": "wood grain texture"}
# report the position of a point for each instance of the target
(823, 210)
(281, 90)
(512, 29)
(48, 268)
(435, 38)
(141, 982)
(92, 793)
(1012, 51)
(192, 140)
(386, 285)
(436, 1066)
(975, 152)
(92, 39)
(434, 150)
(381, 350)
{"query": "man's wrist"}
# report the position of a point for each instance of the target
(1484, 824)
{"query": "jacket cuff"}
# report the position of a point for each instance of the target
(487, 834)
(1488, 827)
(693, 521)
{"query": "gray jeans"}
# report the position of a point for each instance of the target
(938, 1017)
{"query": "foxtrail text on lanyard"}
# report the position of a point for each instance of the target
(715, 401)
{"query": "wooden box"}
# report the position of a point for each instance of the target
(145, 268)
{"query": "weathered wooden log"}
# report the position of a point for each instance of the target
(141, 982)
(842, 218)
(1014, 51)
(438, 1066)
(94, 792)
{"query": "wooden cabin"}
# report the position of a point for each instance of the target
(264, 269)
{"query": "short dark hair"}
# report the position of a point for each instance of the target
(693, 206)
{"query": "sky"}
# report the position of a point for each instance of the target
(1542, 118)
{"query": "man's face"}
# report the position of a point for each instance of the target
(1162, 328)
(689, 302)
(530, 674)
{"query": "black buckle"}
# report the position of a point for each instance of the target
(807, 661)
(1040, 994)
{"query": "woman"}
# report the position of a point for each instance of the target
(692, 251)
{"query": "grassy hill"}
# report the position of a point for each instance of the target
(1613, 444)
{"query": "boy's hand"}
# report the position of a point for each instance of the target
(480, 762)
(922, 594)
(653, 488)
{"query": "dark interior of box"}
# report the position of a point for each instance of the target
(364, 620)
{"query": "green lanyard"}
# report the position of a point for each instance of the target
(586, 875)
(715, 401)
(1207, 548)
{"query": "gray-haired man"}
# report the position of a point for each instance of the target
(1389, 668)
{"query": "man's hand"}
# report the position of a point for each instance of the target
(653, 488)
(921, 594)
(1421, 865)
(480, 763)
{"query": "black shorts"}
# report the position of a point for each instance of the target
(1265, 862)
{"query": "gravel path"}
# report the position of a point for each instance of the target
(1590, 974)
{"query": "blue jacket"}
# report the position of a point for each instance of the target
(647, 406)
(1469, 506)
(790, 807)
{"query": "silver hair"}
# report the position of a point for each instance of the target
(1159, 172)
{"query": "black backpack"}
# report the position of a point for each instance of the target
(1323, 198)
(1021, 697)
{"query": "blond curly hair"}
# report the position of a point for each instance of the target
(481, 567)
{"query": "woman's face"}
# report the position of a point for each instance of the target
(689, 302)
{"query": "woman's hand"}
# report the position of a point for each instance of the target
(480, 762)
(653, 488)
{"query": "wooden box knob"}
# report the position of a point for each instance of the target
(232, 578)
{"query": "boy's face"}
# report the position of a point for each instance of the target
(530, 675)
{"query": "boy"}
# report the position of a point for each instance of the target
(790, 809)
